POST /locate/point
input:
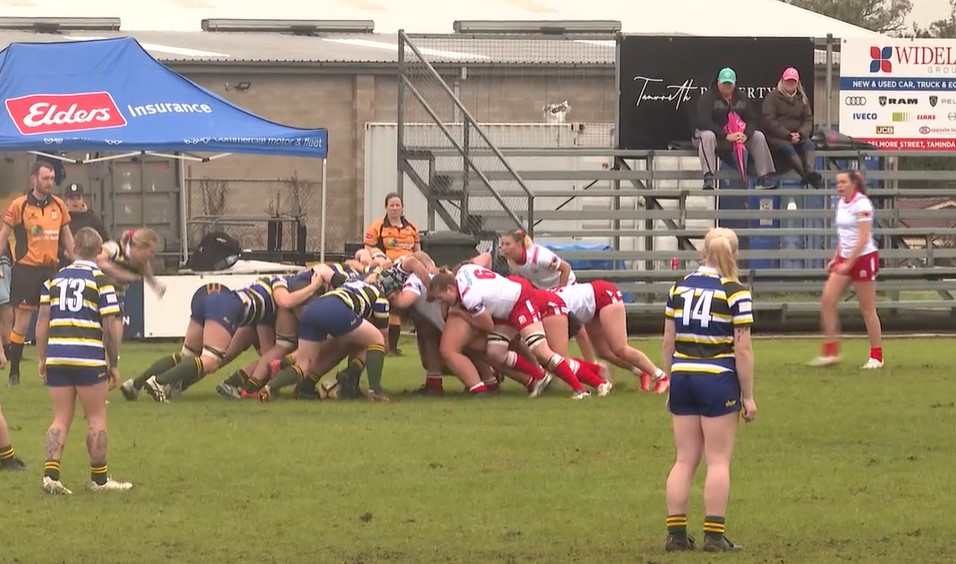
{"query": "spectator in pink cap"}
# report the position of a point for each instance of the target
(788, 124)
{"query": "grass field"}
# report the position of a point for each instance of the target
(840, 466)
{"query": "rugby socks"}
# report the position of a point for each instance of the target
(15, 351)
(876, 353)
(157, 368)
(394, 334)
(478, 388)
(188, 369)
(584, 373)
(374, 363)
(560, 367)
(287, 361)
(237, 378)
(677, 526)
(6, 454)
(98, 473)
(286, 377)
(831, 348)
(253, 384)
(714, 527)
(51, 470)
(521, 364)
(433, 382)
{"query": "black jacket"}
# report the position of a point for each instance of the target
(79, 220)
(712, 112)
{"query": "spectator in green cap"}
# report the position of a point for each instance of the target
(713, 111)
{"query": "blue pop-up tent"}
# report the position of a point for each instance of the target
(110, 96)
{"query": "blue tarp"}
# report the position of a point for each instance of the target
(110, 95)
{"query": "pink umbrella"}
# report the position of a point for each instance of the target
(735, 124)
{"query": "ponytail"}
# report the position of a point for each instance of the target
(521, 236)
(720, 252)
(857, 180)
(143, 237)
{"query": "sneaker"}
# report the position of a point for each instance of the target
(228, 391)
(677, 544)
(605, 389)
(55, 487)
(156, 390)
(265, 394)
(539, 386)
(327, 389)
(872, 364)
(721, 544)
(708, 182)
(823, 361)
(14, 379)
(662, 384)
(111, 485)
(583, 394)
(129, 391)
(13, 465)
(815, 179)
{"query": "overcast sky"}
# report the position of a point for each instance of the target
(926, 12)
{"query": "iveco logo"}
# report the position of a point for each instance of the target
(855, 101)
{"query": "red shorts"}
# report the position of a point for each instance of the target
(605, 294)
(549, 304)
(524, 312)
(864, 269)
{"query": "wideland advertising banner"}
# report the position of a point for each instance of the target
(899, 94)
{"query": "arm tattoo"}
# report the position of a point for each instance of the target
(740, 332)
(54, 444)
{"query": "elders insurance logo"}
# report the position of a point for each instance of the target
(41, 114)
(881, 59)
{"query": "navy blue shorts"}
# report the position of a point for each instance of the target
(74, 376)
(224, 308)
(706, 395)
(327, 317)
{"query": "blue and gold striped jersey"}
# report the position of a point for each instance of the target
(118, 253)
(393, 278)
(79, 297)
(706, 309)
(366, 300)
(259, 300)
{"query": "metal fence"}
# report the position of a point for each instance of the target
(246, 207)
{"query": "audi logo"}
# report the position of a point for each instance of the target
(855, 101)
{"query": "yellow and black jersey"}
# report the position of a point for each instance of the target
(259, 301)
(118, 253)
(706, 309)
(366, 300)
(79, 297)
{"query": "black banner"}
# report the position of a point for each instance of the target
(662, 79)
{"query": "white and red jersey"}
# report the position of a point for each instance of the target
(848, 218)
(579, 298)
(482, 290)
(584, 301)
(540, 266)
(431, 311)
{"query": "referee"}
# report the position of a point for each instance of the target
(39, 222)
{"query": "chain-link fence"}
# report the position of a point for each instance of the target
(245, 208)
(453, 157)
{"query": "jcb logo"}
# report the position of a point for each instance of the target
(884, 130)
